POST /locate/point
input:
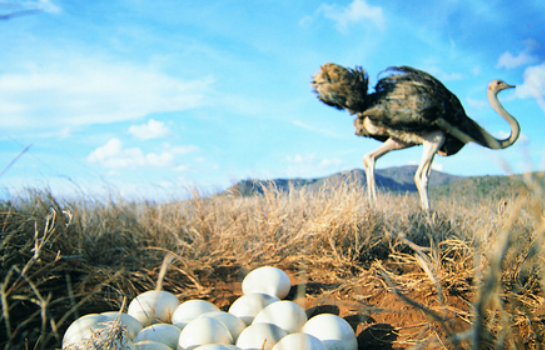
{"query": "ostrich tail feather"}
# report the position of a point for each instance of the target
(342, 88)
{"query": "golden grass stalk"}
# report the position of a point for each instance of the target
(61, 259)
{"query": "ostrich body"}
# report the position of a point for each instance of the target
(409, 107)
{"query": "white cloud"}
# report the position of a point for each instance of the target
(85, 92)
(112, 155)
(533, 84)
(508, 60)
(330, 162)
(152, 130)
(356, 12)
(111, 148)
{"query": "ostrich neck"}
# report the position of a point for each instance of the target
(515, 127)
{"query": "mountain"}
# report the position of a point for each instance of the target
(495, 186)
(392, 179)
(400, 179)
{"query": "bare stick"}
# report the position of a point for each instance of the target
(14, 159)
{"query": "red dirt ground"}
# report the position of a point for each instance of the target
(381, 320)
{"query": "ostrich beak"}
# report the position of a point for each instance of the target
(507, 86)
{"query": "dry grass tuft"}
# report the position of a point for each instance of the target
(469, 275)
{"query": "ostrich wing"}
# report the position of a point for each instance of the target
(410, 100)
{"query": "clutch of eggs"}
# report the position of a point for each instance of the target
(258, 320)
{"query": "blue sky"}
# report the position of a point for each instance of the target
(149, 98)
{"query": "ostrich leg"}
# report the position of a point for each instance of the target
(370, 159)
(432, 142)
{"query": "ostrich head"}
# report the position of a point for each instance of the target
(496, 86)
(340, 87)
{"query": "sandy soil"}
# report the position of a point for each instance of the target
(381, 320)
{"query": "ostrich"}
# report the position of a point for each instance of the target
(409, 107)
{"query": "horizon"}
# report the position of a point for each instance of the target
(148, 99)
(389, 168)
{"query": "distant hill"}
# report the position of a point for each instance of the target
(494, 186)
(400, 179)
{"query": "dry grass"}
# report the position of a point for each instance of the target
(62, 259)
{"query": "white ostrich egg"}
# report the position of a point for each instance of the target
(268, 280)
(299, 341)
(153, 307)
(151, 345)
(190, 310)
(132, 324)
(285, 314)
(161, 332)
(333, 331)
(248, 306)
(217, 347)
(261, 336)
(202, 331)
(80, 330)
(234, 324)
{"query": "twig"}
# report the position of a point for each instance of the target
(16, 157)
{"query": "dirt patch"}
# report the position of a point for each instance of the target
(379, 317)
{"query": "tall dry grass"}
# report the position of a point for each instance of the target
(61, 259)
